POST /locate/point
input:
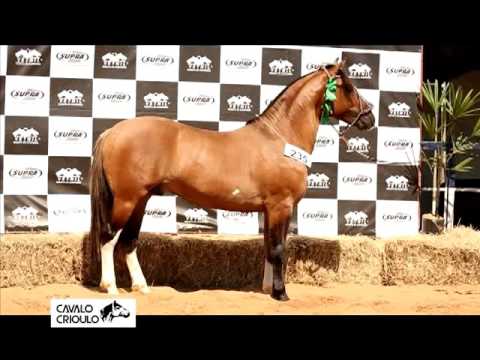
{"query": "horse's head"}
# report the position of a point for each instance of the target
(118, 310)
(349, 105)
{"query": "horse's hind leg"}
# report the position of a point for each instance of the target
(120, 214)
(128, 241)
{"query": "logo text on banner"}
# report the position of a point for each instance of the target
(84, 313)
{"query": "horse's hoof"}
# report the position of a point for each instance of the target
(109, 289)
(143, 289)
(280, 295)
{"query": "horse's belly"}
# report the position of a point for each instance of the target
(214, 193)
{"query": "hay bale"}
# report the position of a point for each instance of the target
(39, 259)
(215, 261)
(347, 259)
(446, 259)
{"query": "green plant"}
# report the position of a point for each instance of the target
(446, 106)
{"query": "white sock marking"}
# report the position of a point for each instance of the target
(267, 277)
(136, 274)
(108, 270)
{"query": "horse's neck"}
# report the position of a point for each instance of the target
(295, 114)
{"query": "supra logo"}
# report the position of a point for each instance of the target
(27, 94)
(241, 64)
(158, 60)
(199, 64)
(28, 57)
(357, 180)
(25, 215)
(281, 67)
(26, 173)
(239, 103)
(398, 144)
(156, 101)
(356, 219)
(70, 135)
(358, 144)
(319, 215)
(69, 176)
(198, 100)
(399, 110)
(92, 313)
(323, 141)
(73, 57)
(114, 60)
(318, 181)
(116, 97)
(398, 217)
(196, 215)
(315, 66)
(237, 215)
(396, 183)
(69, 212)
(70, 98)
(158, 213)
(360, 71)
(26, 136)
(400, 71)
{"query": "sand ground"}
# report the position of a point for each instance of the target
(332, 299)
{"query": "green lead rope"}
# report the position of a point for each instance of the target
(330, 95)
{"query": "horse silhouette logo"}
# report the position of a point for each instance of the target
(114, 310)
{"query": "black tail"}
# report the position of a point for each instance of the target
(101, 208)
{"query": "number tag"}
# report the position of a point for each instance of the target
(298, 154)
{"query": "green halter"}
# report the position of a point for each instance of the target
(330, 95)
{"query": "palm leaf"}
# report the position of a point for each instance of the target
(476, 129)
(463, 166)
(460, 105)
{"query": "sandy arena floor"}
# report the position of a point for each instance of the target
(331, 299)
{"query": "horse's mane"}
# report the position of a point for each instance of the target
(346, 80)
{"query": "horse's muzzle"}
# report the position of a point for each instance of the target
(366, 122)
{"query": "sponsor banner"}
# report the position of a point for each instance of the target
(72, 61)
(28, 60)
(198, 101)
(281, 66)
(25, 213)
(237, 223)
(157, 98)
(27, 95)
(158, 63)
(114, 98)
(396, 218)
(356, 217)
(25, 174)
(70, 136)
(26, 135)
(241, 65)
(317, 217)
(115, 62)
(68, 213)
(160, 215)
(357, 181)
(200, 63)
(399, 145)
(56, 100)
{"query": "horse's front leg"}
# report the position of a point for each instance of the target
(277, 220)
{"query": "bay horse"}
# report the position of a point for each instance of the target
(242, 170)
